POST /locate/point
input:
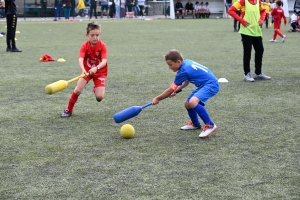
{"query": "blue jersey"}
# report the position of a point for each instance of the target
(195, 73)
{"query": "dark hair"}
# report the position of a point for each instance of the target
(174, 55)
(279, 3)
(92, 26)
(206, 3)
(197, 2)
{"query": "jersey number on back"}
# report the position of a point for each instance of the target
(197, 66)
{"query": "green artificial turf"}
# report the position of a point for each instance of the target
(253, 155)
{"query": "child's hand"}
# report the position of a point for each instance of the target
(247, 24)
(173, 94)
(83, 71)
(155, 101)
(93, 70)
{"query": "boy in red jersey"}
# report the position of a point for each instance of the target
(93, 62)
(252, 16)
(278, 13)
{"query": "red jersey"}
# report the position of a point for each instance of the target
(93, 55)
(278, 13)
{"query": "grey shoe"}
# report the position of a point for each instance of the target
(248, 77)
(261, 76)
(283, 38)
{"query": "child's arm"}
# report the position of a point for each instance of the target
(232, 12)
(171, 91)
(163, 95)
(184, 84)
(284, 18)
(80, 60)
(262, 13)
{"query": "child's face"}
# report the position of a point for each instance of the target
(174, 66)
(93, 36)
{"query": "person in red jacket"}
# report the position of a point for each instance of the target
(278, 13)
(252, 17)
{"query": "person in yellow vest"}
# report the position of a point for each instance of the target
(252, 16)
(235, 29)
(267, 6)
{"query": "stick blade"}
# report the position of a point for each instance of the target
(127, 114)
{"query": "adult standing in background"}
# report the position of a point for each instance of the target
(123, 8)
(73, 8)
(104, 8)
(93, 8)
(44, 9)
(2, 8)
(135, 7)
(57, 4)
(118, 8)
(129, 4)
(112, 8)
(11, 24)
(228, 4)
(141, 4)
(67, 4)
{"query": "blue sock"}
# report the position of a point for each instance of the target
(194, 117)
(203, 114)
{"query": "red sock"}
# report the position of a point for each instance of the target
(72, 101)
(279, 33)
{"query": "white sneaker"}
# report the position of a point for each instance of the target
(208, 129)
(248, 77)
(283, 39)
(190, 126)
(272, 40)
(261, 76)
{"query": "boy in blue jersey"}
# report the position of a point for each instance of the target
(189, 71)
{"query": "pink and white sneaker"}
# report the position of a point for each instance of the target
(190, 126)
(208, 129)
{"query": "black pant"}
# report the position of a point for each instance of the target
(11, 23)
(141, 10)
(44, 10)
(93, 8)
(257, 43)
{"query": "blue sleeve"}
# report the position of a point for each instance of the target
(180, 77)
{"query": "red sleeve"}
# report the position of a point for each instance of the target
(262, 13)
(82, 51)
(103, 51)
(232, 11)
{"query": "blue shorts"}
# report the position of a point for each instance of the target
(104, 7)
(205, 92)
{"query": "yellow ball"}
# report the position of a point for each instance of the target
(127, 131)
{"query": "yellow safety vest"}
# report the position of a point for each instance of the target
(252, 16)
